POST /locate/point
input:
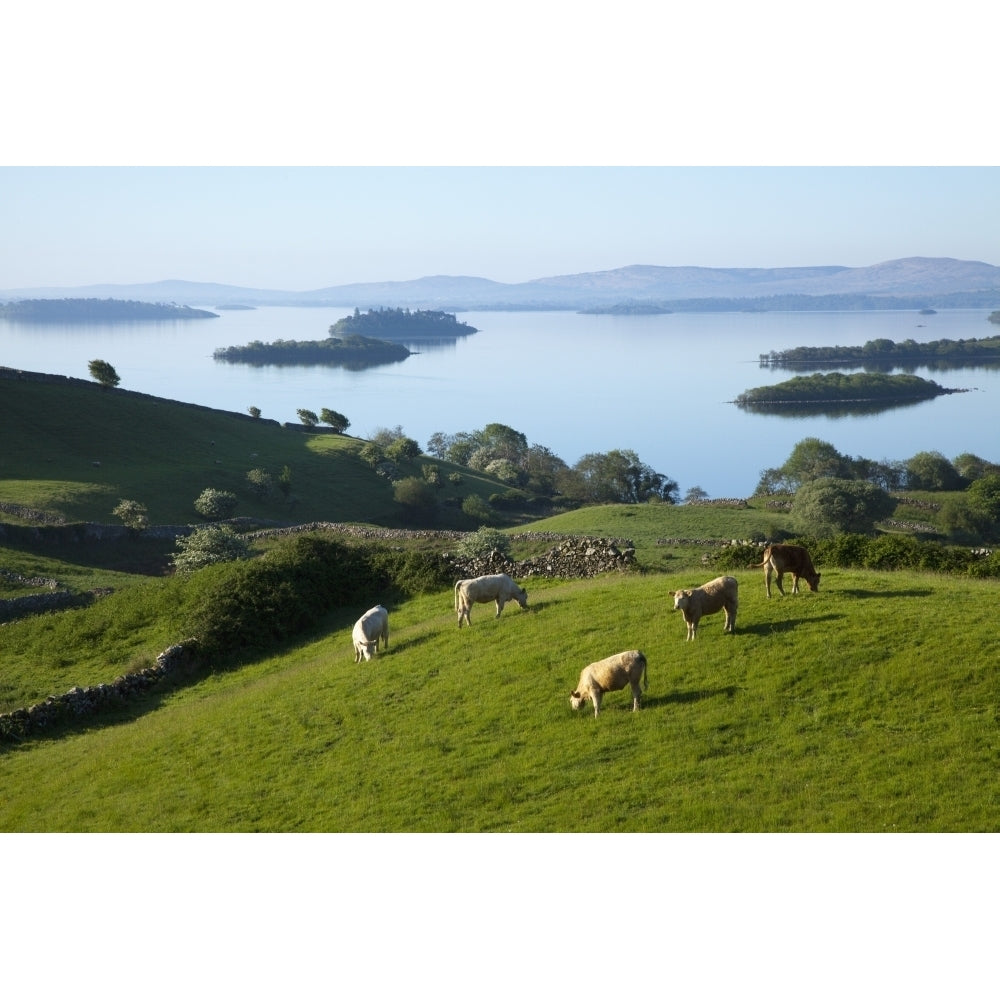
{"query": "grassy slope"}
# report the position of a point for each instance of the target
(863, 707)
(164, 454)
(857, 708)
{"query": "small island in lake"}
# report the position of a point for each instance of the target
(96, 311)
(884, 354)
(869, 392)
(352, 352)
(402, 324)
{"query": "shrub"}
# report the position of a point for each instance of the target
(132, 513)
(207, 546)
(477, 508)
(432, 474)
(825, 507)
(482, 542)
(403, 448)
(371, 453)
(216, 504)
(260, 483)
(417, 499)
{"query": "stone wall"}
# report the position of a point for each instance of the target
(78, 702)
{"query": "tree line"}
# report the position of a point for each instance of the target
(883, 350)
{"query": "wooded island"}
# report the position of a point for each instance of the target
(96, 311)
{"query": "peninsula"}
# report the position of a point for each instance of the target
(96, 311)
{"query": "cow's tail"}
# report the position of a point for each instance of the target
(457, 582)
(645, 679)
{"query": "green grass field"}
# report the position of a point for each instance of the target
(858, 708)
(868, 706)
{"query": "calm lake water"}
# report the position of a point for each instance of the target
(659, 385)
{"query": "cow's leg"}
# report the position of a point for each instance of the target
(778, 578)
(767, 580)
(795, 583)
(500, 604)
(730, 620)
(596, 695)
(636, 695)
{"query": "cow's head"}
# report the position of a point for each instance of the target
(681, 598)
(813, 582)
(522, 599)
(576, 699)
(367, 649)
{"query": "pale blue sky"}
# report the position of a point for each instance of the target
(308, 227)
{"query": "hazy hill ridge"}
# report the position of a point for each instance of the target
(940, 281)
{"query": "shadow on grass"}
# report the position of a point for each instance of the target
(690, 697)
(788, 625)
(881, 594)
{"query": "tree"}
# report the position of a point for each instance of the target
(813, 459)
(619, 477)
(336, 420)
(825, 507)
(983, 497)
(215, 504)
(103, 373)
(930, 470)
(371, 453)
(132, 513)
(254, 412)
(308, 417)
(403, 448)
(212, 544)
(695, 494)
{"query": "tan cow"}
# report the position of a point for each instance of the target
(716, 595)
(610, 674)
(782, 559)
(369, 629)
(498, 587)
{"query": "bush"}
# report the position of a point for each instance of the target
(256, 604)
(417, 499)
(825, 507)
(477, 508)
(207, 546)
(403, 448)
(132, 513)
(216, 504)
(260, 483)
(482, 542)
(371, 454)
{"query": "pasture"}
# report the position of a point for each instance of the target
(869, 706)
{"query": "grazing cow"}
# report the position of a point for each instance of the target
(782, 559)
(716, 595)
(611, 674)
(498, 587)
(371, 627)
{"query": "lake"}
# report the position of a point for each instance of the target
(658, 385)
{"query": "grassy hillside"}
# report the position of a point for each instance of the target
(859, 708)
(80, 448)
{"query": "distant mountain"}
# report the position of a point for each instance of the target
(929, 281)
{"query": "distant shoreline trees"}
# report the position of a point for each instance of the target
(885, 353)
(96, 311)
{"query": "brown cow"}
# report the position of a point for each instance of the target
(782, 559)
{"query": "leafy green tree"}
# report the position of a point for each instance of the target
(824, 507)
(336, 420)
(104, 373)
(930, 470)
(813, 459)
(212, 544)
(618, 476)
(132, 513)
(308, 418)
(215, 504)
(403, 448)
(971, 467)
(983, 497)
(695, 494)
(254, 411)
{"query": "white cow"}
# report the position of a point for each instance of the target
(497, 587)
(610, 674)
(716, 595)
(371, 627)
